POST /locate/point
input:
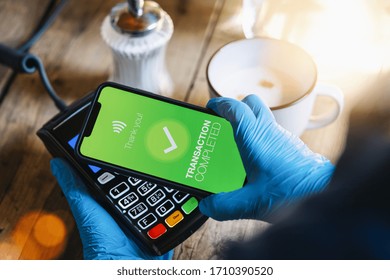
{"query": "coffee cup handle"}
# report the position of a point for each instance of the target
(324, 119)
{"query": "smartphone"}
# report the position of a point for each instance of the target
(162, 140)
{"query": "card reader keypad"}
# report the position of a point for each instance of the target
(153, 209)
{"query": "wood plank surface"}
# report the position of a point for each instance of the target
(18, 18)
(76, 60)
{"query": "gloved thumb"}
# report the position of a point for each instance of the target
(233, 110)
(96, 227)
(80, 201)
(243, 203)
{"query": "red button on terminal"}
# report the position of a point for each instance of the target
(157, 231)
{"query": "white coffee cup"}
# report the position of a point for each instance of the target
(282, 74)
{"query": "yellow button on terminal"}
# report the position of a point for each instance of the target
(174, 218)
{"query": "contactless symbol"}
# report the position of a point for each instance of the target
(171, 141)
(167, 140)
(118, 126)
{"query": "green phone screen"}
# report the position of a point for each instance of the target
(164, 140)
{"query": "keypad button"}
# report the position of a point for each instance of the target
(174, 218)
(138, 210)
(145, 188)
(156, 197)
(147, 221)
(190, 205)
(157, 231)
(128, 200)
(119, 190)
(180, 196)
(105, 178)
(168, 189)
(134, 181)
(165, 208)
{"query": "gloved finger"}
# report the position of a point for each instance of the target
(80, 201)
(236, 112)
(92, 220)
(167, 256)
(258, 107)
(240, 204)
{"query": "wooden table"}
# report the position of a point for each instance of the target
(77, 61)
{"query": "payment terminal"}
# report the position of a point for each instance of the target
(158, 218)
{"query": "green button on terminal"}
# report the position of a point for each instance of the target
(190, 205)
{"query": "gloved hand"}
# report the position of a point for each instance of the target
(280, 168)
(101, 236)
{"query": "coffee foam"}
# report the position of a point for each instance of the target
(275, 88)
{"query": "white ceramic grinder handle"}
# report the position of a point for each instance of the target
(324, 119)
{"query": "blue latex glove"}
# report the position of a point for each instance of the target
(101, 236)
(280, 168)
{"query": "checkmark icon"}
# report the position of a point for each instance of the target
(171, 141)
(167, 140)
